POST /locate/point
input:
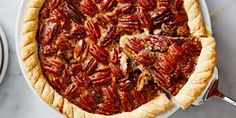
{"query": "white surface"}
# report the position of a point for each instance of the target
(4, 54)
(17, 101)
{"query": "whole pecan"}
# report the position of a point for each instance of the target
(89, 66)
(73, 13)
(147, 4)
(144, 18)
(108, 4)
(108, 36)
(135, 44)
(99, 53)
(89, 8)
(93, 30)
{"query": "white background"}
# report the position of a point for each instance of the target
(17, 100)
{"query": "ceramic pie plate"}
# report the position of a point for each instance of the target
(19, 37)
(3, 54)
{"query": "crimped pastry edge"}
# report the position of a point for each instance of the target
(195, 19)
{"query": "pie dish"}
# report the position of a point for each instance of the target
(117, 58)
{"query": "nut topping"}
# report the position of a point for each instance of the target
(85, 59)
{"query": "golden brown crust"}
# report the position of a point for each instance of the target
(201, 75)
(195, 18)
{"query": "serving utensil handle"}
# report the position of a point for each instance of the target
(225, 98)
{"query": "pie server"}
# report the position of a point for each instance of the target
(212, 90)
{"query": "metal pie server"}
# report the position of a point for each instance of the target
(212, 90)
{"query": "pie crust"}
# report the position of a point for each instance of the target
(190, 91)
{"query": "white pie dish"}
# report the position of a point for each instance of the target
(19, 37)
(3, 54)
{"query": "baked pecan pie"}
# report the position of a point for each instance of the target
(118, 58)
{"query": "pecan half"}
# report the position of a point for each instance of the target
(87, 102)
(53, 66)
(99, 53)
(147, 4)
(71, 91)
(93, 30)
(47, 32)
(160, 78)
(108, 4)
(126, 101)
(108, 36)
(89, 66)
(127, 84)
(79, 48)
(145, 58)
(102, 20)
(116, 71)
(135, 44)
(89, 8)
(78, 33)
(114, 55)
(73, 13)
(100, 78)
(161, 16)
(129, 23)
(82, 81)
(125, 9)
(107, 109)
(144, 18)
(111, 95)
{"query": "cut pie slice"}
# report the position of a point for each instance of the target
(180, 66)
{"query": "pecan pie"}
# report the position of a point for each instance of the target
(118, 58)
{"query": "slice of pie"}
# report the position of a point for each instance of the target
(174, 63)
(117, 58)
